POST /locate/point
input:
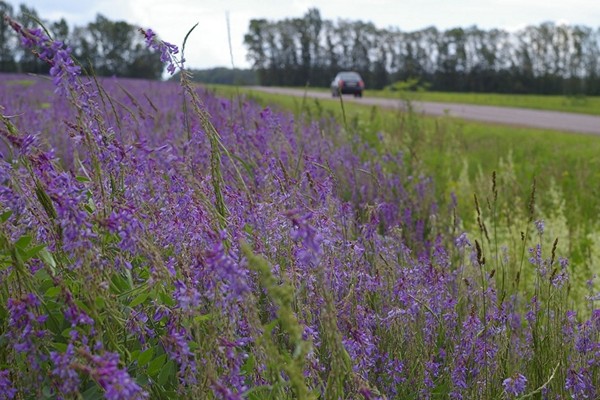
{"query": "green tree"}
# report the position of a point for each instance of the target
(28, 62)
(7, 45)
(115, 48)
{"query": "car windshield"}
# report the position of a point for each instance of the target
(349, 76)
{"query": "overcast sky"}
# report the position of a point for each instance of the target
(208, 46)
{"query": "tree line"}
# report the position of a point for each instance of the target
(103, 47)
(221, 75)
(545, 59)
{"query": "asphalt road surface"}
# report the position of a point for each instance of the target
(555, 120)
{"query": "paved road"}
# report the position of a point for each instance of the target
(560, 121)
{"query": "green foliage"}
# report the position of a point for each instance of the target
(108, 48)
(409, 85)
(291, 362)
(297, 51)
(221, 76)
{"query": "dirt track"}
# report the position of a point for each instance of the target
(560, 121)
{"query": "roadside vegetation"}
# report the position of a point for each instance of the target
(573, 104)
(461, 155)
(158, 241)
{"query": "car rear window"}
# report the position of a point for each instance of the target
(350, 76)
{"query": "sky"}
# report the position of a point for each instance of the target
(208, 45)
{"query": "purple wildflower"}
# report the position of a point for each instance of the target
(74, 314)
(580, 385)
(123, 221)
(515, 385)
(539, 225)
(561, 277)
(537, 260)
(224, 393)
(25, 327)
(7, 391)
(167, 50)
(232, 276)
(67, 378)
(176, 345)
(115, 381)
(234, 356)
(137, 323)
(51, 51)
(187, 297)
(463, 241)
(307, 236)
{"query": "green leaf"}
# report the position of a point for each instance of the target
(259, 392)
(202, 318)
(156, 364)
(93, 393)
(82, 178)
(61, 347)
(268, 328)
(45, 200)
(34, 251)
(248, 366)
(121, 284)
(5, 215)
(166, 373)
(23, 242)
(100, 302)
(42, 276)
(47, 392)
(145, 357)
(47, 258)
(167, 300)
(139, 299)
(52, 292)
(82, 306)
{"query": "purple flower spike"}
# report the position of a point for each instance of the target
(116, 382)
(167, 50)
(7, 391)
(68, 378)
(539, 225)
(580, 385)
(62, 66)
(515, 385)
(308, 236)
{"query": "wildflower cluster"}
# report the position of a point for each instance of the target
(62, 67)
(143, 256)
(168, 51)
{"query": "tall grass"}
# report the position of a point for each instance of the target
(233, 252)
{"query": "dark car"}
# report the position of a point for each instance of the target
(347, 83)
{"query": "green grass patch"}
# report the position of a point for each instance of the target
(573, 104)
(21, 82)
